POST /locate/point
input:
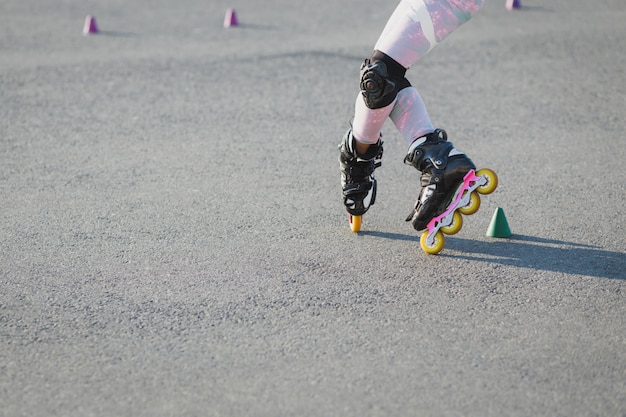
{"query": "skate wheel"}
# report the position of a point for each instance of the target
(472, 205)
(437, 245)
(455, 226)
(492, 181)
(355, 223)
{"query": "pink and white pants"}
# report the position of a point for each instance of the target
(414, 28)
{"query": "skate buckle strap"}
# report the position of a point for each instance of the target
(434, 151)
(429, 179)
(356, 188)
(412, 156)
(361, 170)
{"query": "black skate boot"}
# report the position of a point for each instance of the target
(357, 174)
(443, 168)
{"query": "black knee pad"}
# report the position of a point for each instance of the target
(381, 79)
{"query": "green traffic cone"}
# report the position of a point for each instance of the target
(499, 227)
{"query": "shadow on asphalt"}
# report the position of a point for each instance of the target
(530, 252)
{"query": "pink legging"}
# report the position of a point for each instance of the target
(414, 28)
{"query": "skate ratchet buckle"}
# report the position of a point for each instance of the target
(465, 201)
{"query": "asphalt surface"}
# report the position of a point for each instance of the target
(173, 241)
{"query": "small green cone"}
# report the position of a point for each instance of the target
(499, 227)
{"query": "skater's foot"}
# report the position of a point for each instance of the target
(357, 162)
(442, 170)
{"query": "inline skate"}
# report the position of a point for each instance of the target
(450, 187)
(357, 177)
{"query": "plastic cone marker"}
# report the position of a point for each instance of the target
(499, 227)
(231, 18)
(513, 4)
(90, 25)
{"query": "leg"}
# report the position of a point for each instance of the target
(417, 26)
(410, 116)
(414, 28)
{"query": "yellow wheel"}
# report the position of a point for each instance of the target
(472, 205)
(492, 181)
(455, 226)
(437, 245)
(355, 223)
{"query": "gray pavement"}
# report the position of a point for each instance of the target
(173, 242)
